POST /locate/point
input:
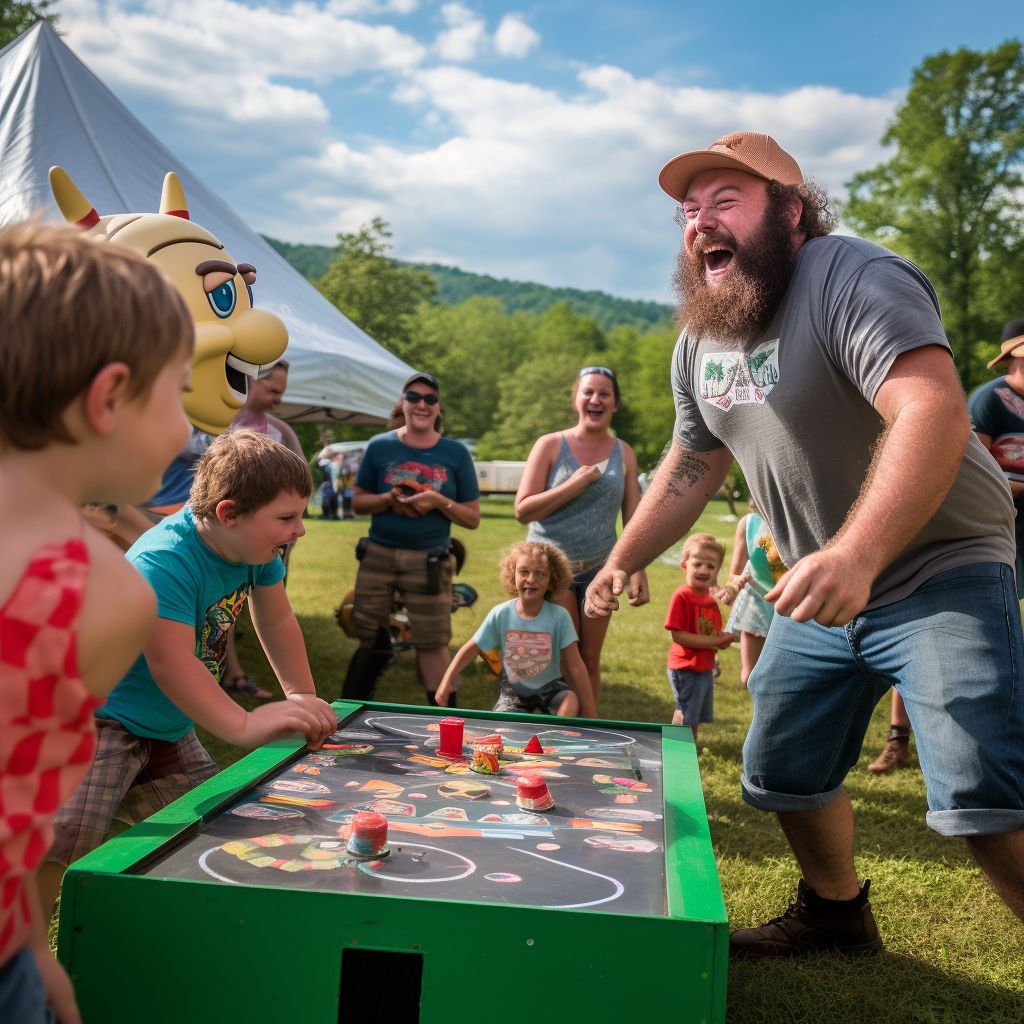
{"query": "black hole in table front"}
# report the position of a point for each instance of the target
(373, 980)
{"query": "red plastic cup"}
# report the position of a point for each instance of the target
(451, 737)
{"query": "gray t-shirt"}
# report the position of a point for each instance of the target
(795, 409)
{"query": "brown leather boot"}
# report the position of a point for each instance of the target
(812, 925)
(896, 749)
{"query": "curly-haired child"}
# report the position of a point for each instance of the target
(531, 638)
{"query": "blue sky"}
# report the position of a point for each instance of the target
(522, 140)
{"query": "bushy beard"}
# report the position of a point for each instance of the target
(742, 306)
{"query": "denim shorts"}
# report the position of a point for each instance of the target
(22, 995)
(548, 699)
(694, 693)
(952, 649)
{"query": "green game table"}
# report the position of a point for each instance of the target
(239, 903)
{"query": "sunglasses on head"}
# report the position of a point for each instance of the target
(603, 370)
(414, 397)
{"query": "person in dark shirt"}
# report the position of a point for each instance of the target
(414, 483)
(997, 417)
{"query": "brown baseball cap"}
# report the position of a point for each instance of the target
(1011, 344)
(742, 151)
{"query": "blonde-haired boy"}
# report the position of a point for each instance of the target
(695, 623)
(94, 358)
(203, 562)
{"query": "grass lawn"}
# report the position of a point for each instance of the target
(953, 952)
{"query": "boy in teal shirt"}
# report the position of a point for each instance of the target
(529, 641)
(203, 563)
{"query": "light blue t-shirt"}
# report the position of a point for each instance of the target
(195, 585)
(529, 649)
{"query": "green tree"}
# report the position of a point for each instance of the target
(18, 15)
(535, 399)
(949, 197)
(374, 291)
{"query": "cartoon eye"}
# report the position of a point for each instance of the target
(252, 301)
(222, 299)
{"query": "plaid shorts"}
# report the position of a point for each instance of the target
(131, 778)
(384, 570)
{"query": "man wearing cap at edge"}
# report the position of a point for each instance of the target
(414, 484)
(820, 363)
(997, 416)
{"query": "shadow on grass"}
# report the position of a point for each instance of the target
(891, 986)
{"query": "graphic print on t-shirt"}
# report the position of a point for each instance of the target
(738, 378)
(415, 475)
(219, 618)
(705, 621)
(526, 654)
(1012, 401)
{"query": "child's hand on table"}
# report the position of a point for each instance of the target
(276, 721)
(325, 714)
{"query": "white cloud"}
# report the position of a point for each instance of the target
(498, 176)
(563, 189)
(514, 37)
(466, 36)
(177, 45)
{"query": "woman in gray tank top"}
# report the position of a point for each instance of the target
(574, 485)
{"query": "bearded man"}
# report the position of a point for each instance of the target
(819, 361)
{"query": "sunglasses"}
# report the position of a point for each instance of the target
(414, 397)
(603, 370)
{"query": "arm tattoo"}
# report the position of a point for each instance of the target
(689, 467)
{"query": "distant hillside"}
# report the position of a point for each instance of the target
(455, 286)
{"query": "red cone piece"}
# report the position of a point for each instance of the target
(533, 747)
(532, 793)
(451, 737)
(368, 835)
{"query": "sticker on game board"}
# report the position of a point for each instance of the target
(624, 813)
(600, 762)
(263, 813)
(602, 780)
(384, 806)
(434, 762)
(306, 769)
(298, 801)
(348, 749)
(381, 785)
(502, 876)
(449, 813)
(545, 773)
(625, 845)
(463, 789)
(490, 817)
(608, 826)
(354, 782)
(326, 760)
(416, 796)
(633, 784)
(548, 846)
(530, 763)
(612, 790)
(626, 798)
(500, 803)
(299, 786)
(460, 768)
(525, 818)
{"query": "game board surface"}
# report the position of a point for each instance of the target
(601, 846)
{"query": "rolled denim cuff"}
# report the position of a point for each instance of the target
(975, 821)
(766, 800)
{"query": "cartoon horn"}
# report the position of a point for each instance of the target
(172, 197)
(75, 207)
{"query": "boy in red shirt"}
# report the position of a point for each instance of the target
(696, 626)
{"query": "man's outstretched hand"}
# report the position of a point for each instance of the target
(830, 586)
(603, 593)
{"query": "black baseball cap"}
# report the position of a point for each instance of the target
(426, 378)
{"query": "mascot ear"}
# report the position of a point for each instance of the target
(172, 197)
(75, 207)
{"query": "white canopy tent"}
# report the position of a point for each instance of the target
(54, 110)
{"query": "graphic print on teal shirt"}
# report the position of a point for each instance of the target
(217, 623)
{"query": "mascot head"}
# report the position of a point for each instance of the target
(233, 340)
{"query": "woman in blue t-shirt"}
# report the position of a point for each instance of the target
(414, 484)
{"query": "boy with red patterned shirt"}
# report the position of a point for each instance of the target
(695, 622)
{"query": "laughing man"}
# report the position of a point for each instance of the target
(820, 362)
